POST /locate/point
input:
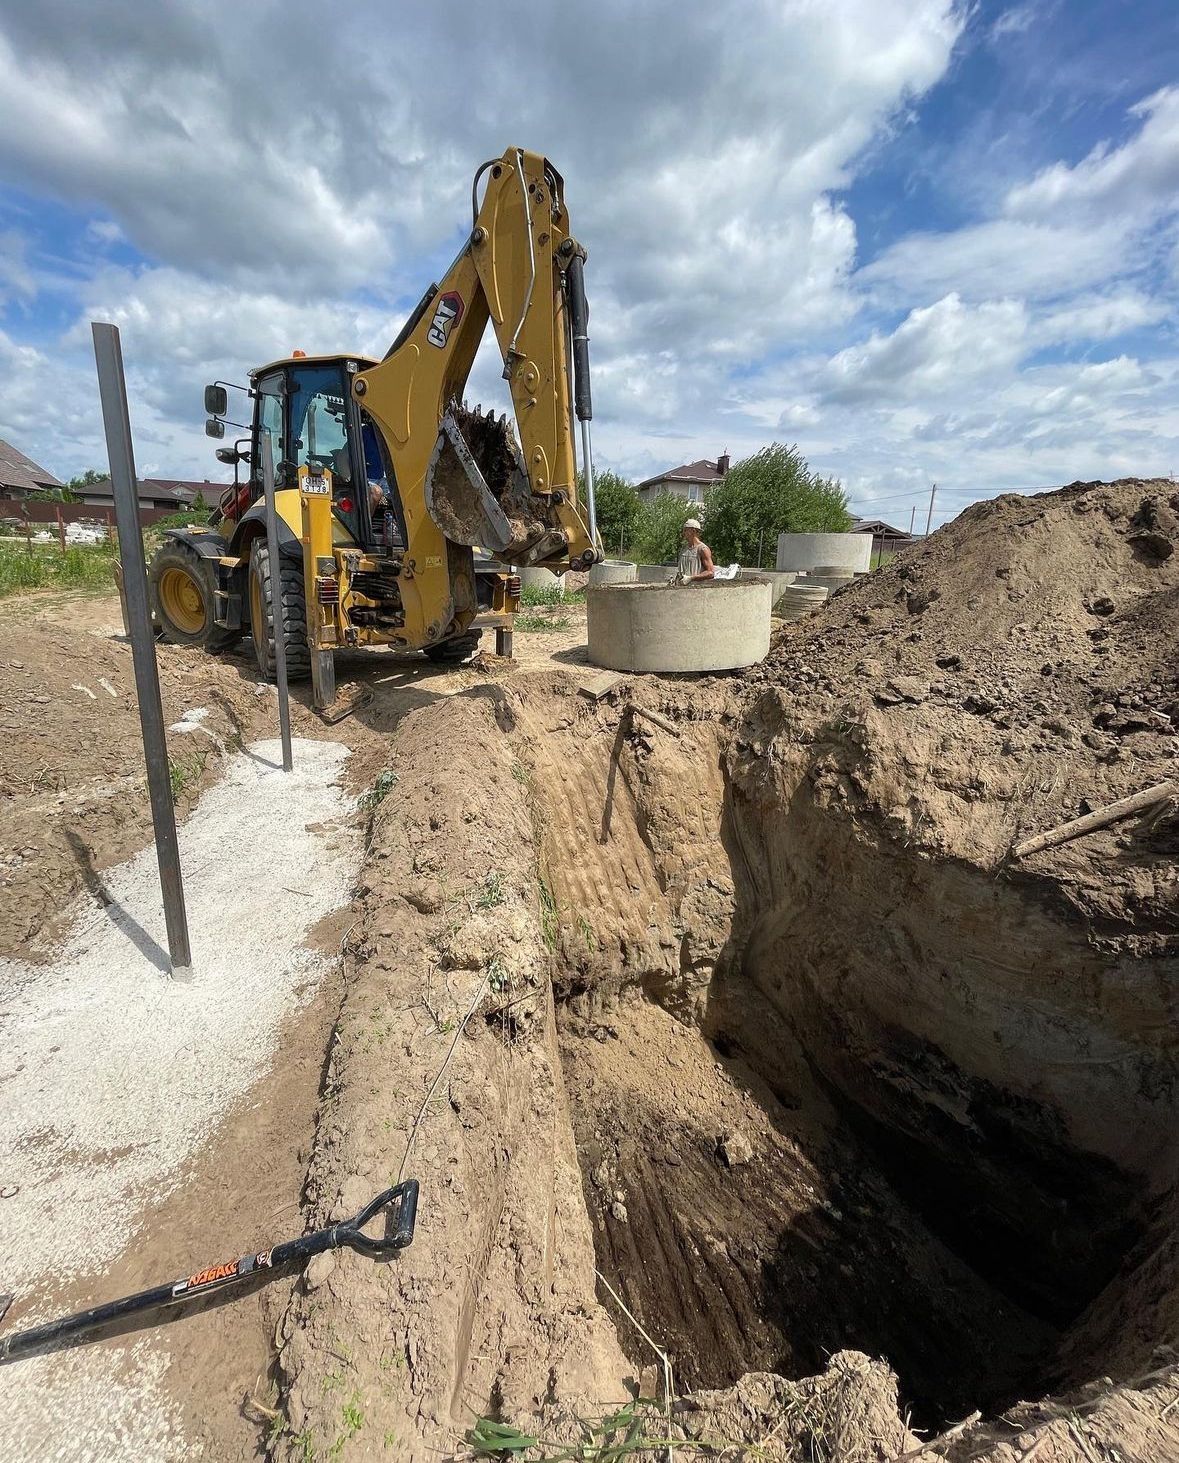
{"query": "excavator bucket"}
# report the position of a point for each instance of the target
(459, 497)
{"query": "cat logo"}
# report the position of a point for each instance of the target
(448, 309)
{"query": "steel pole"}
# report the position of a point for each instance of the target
(112, 391)
(280, 643)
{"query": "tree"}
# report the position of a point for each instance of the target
(772, 492)
(658, 532)
(619, 511)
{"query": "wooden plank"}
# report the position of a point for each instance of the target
(597, 686)
(1111, 813)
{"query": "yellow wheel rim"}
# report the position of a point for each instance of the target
(182, 601)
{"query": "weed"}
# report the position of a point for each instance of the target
(493, 892)
(617, 1435)
(587, 932)
(182, 773)
(498, 976)
(540, 623)
(390, 1439)
(521, 773)
(548, 913)
(380, 790)
(541, 594)
(352, 1414)
(278, 1426)
(305, 1445)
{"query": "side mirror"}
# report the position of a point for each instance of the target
(229, 455)
(216, 402)
(214, 428)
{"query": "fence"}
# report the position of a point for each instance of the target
(45, 513)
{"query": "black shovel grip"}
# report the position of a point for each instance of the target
(401, 1234)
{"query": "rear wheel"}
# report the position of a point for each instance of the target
(292, 614)
(181, 587)
(451, 652)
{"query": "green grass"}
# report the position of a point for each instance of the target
(541, 623)
(537, 595)
(36, 566)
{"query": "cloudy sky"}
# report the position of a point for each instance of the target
(928, 241)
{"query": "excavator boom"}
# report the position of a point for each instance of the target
(465, 479)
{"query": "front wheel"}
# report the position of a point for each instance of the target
(180, 582)
(292, 614)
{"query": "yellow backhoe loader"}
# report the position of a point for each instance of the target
(401, 513)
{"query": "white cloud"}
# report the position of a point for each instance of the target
(1140, 177)
(933, 351)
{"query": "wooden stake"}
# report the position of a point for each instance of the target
(1111, 813)
(654, 716)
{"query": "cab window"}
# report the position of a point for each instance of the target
(319, 422)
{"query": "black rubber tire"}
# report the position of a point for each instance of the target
(174, 555)
(452, 652)
(292, 611)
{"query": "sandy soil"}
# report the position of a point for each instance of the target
(754, 1030)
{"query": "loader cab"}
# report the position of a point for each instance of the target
(305, 404)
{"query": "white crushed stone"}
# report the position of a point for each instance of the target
(111, 1074)
(104, 1403)
(193, 721)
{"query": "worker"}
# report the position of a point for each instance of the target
(695, 556)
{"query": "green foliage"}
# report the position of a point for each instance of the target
(82, 566)
(84, 480)
(657, 539)
(493, 892)
(772, 492)
(183, 518)
(620, 512)
(380, 790)
(634, 1431)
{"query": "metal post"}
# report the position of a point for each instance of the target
(929, 518)
(912, 518)
(112, 390)
(280, 643)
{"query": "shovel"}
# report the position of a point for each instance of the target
(399, 1233)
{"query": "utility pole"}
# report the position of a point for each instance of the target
(912, 518)
(929, 516)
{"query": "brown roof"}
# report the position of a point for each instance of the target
(19, 471)
(703, 471)
(177, 490)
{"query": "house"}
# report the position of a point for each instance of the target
(172, 494)
(20, 476)
(886, 539)
(690, 482)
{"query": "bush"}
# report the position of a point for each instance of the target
(619, 512)
(658, 532)
(772, 492)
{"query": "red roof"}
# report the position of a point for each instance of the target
(703, 471)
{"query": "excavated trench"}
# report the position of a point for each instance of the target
(829, 1093)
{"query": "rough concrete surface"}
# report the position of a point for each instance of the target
(805, 551)
(708, 626)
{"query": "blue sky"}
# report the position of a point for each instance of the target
(927, 241)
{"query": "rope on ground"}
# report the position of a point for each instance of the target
(462, 1026)
(668, 1383)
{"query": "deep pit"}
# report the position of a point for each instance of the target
(828, 1094)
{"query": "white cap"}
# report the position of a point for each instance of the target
(692, 523)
